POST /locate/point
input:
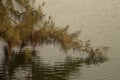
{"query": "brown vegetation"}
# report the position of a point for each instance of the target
(18, 28)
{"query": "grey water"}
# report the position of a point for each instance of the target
(99, 21)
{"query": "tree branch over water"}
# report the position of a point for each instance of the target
(31, 28)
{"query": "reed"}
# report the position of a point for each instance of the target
(18, 28)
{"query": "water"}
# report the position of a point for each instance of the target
(99, 22)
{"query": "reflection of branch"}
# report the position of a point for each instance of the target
(12, 20)
(60, 71)
(69, 66)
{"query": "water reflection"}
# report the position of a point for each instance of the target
(34, 68)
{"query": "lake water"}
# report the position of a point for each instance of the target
(99, 21)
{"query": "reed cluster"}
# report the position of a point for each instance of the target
(21, 24)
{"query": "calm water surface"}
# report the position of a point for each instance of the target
(99, 21)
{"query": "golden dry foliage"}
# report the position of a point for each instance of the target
(17, 28)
